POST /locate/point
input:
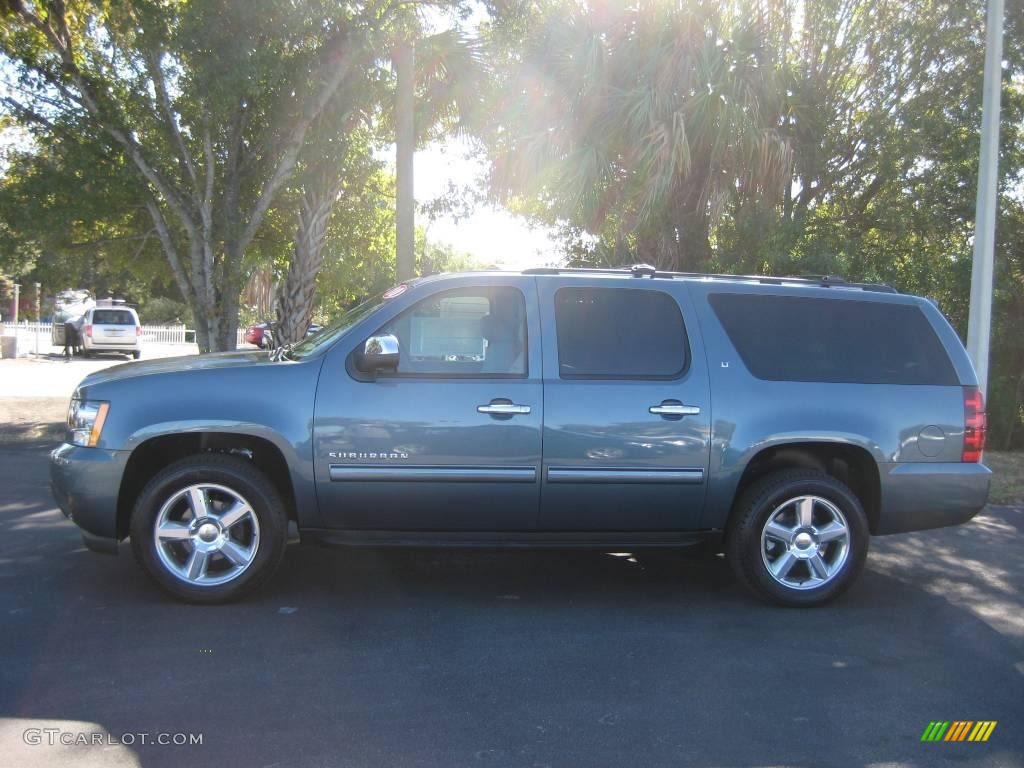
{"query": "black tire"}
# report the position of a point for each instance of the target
(136, 354)
(760, 502)
(242, 478)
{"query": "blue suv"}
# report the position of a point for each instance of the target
(786, 420)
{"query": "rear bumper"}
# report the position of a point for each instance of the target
(916, 497)
(85, 483)
(127, 345)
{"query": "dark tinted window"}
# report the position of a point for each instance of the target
(470, 332)
(619, 333)
(786, 338)
(112, 317)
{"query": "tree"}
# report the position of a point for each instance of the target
(210, 102)
(404, 58)
(438, 91)
(346, 167)
(446, 86)
(638, 123)
(71, 216)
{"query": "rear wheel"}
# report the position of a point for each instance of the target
(209, 528)
(798, 538)
(136, 354)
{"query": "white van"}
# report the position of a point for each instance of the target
(112, 329)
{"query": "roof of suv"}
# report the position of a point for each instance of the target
(647, 271)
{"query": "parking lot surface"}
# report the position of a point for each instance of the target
(463, 658)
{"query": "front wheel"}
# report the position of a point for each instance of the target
(209, 528)
(798, 538)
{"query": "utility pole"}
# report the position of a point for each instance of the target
(979, 326)
(405, 147)
(17, 299)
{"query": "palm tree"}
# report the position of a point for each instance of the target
(438, 92)
(334, 164)
(637, 124)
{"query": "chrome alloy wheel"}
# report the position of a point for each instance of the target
(206, 535)
(805, 542)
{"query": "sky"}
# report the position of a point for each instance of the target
(491, 235)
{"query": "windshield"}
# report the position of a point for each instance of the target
(335, 329)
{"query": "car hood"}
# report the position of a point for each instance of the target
(212, 361)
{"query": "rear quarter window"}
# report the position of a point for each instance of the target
(784, 338)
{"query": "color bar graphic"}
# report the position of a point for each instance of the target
(958, 730)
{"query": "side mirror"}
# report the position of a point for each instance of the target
(379, 352)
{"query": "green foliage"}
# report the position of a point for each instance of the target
(638, 123)
(359, 254)
(70, 217)
(159, 310)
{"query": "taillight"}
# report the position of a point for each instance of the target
(88, 331)
(975, 425)
(138, 330)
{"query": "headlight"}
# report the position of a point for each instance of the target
(85, 421)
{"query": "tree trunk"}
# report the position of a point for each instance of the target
(694, 247)
(228, 294)
(405, 147)
(297, 292)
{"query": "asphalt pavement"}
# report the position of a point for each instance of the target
(459, 658)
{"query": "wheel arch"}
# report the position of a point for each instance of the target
(848, 462)
(156, 451)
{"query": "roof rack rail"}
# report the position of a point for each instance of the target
(646, 270)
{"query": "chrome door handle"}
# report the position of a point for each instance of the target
(674, 409)
(503, 409)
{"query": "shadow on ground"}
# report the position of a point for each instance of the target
(31, 434)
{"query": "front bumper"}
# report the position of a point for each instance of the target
(85, 483)
(916, 497)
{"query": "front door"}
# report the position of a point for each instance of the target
(626, 407)
(451, 439)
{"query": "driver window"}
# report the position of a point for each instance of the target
(467, 332)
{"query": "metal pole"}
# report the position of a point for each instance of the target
(979, 326)
(405, 146)
(39, 313)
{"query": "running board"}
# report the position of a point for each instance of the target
(514, 540)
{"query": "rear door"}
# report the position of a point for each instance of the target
(113, 326)
(626, 406)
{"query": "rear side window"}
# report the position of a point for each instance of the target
(619, 333)
(784, 338)
(112, 317)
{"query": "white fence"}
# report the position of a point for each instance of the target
(32, 334)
